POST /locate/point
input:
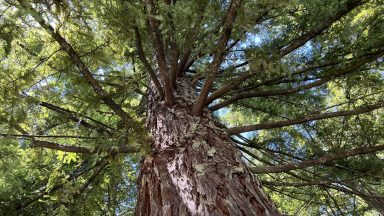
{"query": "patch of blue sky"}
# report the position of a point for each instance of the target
(237, 54)
(102, 71)
(252, 39)
(128, 67)
(306, 51)
(222, 112)
(307, 134)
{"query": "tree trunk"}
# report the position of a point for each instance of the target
(376, 203)
(194, 167)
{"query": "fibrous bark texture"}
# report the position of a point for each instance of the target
(194, 167)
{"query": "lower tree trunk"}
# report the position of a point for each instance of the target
(194, 167)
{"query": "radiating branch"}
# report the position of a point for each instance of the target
(146, 64)
(72, 116)
(84, 70)
(350, 67)
(318, 161)
(90, 179)
(304, 119)
(31, 136)
(158, 45)
(218, 57)
(318, 29)
(311, 183)
(186, 61)
(82, 150)
(295, 43)
(229, 86)
(83, 169)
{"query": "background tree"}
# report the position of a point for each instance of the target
(94, 91)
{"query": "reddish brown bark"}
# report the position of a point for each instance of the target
(195, 169)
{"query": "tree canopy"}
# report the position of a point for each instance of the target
(297, 84)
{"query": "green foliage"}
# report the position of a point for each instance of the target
(35, 70)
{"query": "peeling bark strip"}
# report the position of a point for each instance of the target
(195, 169)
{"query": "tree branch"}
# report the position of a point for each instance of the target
(142, 58)
(311, 183)
(254, 94)
(90, 179)
(185, 60)
(318, 161)
(32, 136)
(295, 73)
(316, 30)
(158, 45)
(229, 86)
(73, 176)
(313, 117)
(82, 150)
(72, 116)
(334, 73)
(218, 57)
(173, 49)
(84, 70)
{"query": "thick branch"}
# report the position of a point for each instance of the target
(72, 116)
(84, 70)
(316, 30)
(227, 49)
(301, 71)
(309, 183)
(185, 60)
(146, 64)
(334, 73)
(173, 49)
(304, 119)
(157, 43)
(270, 93)
(32, 136)
(90, 179)
(229, 86)
(218, 57)
(318, 161)
(81, 150)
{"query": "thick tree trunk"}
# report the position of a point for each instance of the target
(376, 203)
(195, 169)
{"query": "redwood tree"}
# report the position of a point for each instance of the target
(201, 102)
